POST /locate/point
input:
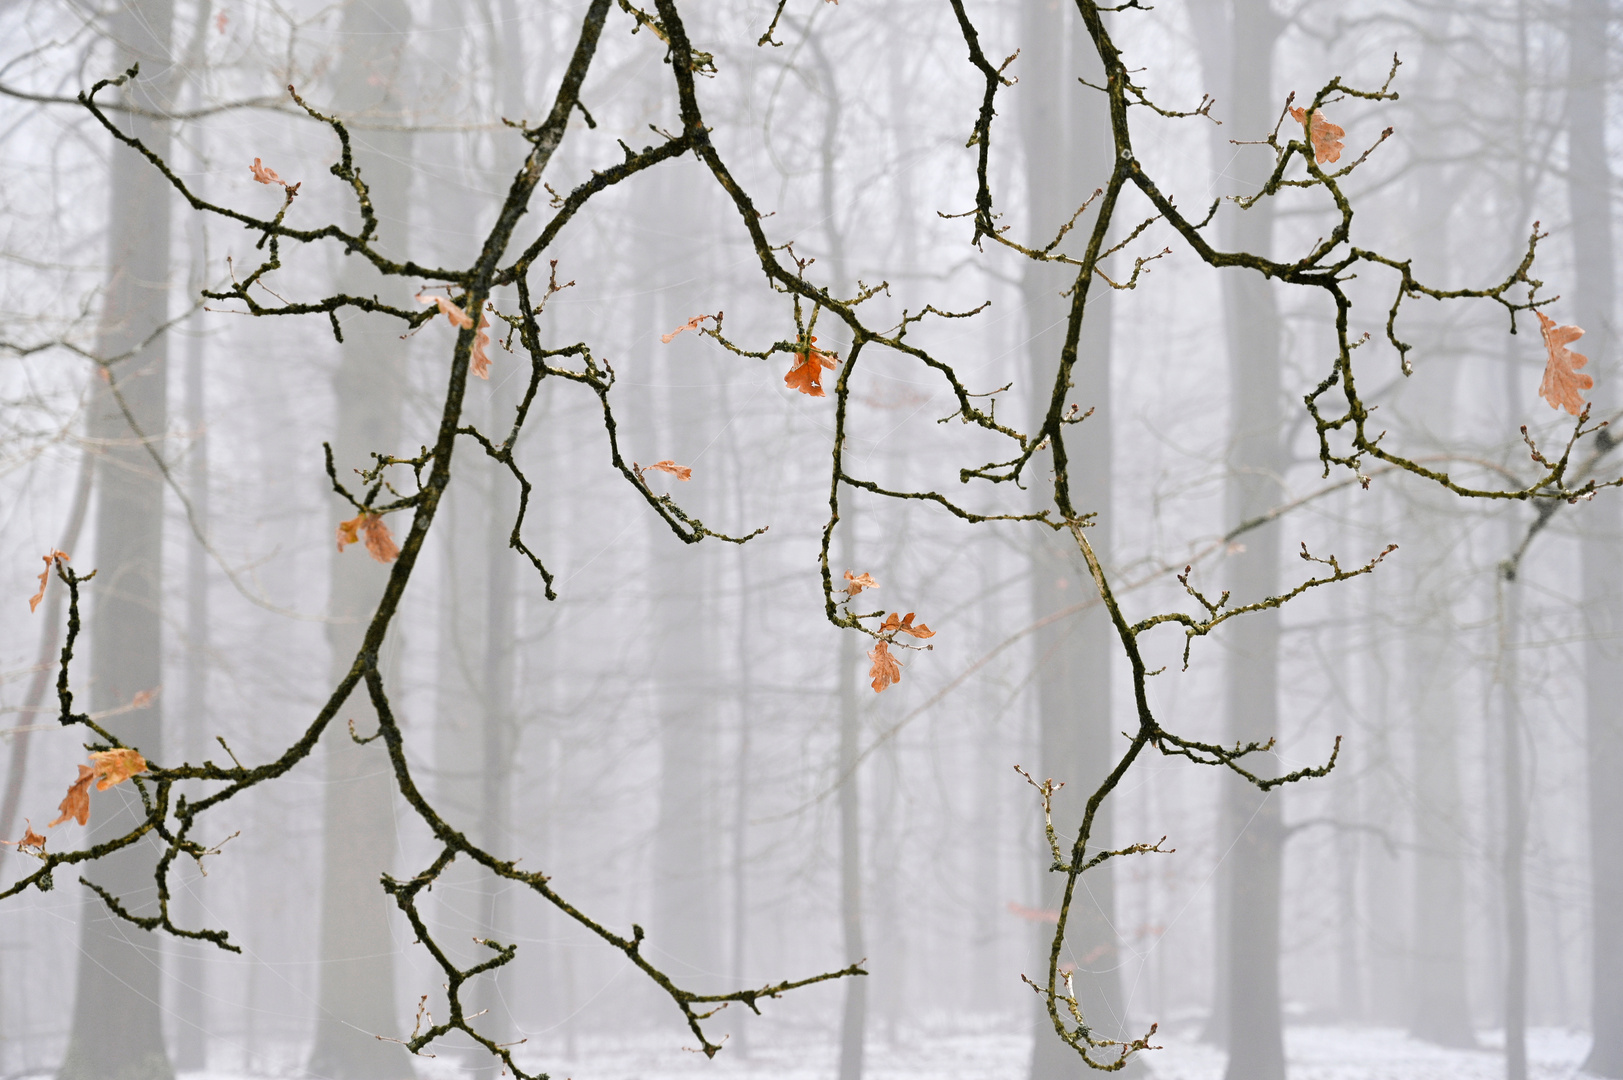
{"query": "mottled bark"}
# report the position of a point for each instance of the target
(1066, 140)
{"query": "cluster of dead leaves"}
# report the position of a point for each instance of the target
(855, 583)
(1326, 136)
(379, 541)
(107, 768)
(807, 373)
(267, 175)
(479, 362)
(45, 577)
(886, 669)
(1563, 383)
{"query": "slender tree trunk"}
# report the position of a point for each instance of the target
(1589, 183)
(854, 1018)
(117, 1031)
(1066, 138)
(356, 997)
(1514, 856)
(1255, 1036)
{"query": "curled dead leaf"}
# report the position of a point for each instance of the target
(807, 373)
(76, 804)
(681, 472)
(454, 314)
(1563, 384)
(113, 767)
(903, 624)
(1326, 137)
(45, 577)
(480, 361)
(31, 839)
(264, 174)
(855, 583)
(886, 669)
(691, 324)
(379, 541)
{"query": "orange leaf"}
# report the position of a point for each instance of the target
(681, 472)
(480, 365)
(264, 174)
(458, 318)
(1326, 136)
(855, 583)
(807, 374)
(691, 324)
(348, 532)
(886, 668)
(45, 577)
(898, 624)
(113, 767)
(1562, 381)
(1039, 915)
(31, 839)
(379, 541)
(77, 803)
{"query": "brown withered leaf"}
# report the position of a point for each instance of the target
(1563, 383)
(31, 839)
(855, 583)
(1325, 135)
(45, 577)
(691, 324)
(379, 541)
(113, 767)
(807, 373)
(264, 174)
(455, 315)
(681, 472)
(480, 365)
(899, 624)
(886, 669)
(76, 804)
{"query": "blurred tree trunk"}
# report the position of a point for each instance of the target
(1589, 184)
(356, 998)
(1248, 1001)
(1065, 133)
(117, 1031)
(1438, 1006)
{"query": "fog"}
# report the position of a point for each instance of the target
(1231, 466)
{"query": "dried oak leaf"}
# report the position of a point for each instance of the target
(886, 668)
(1325, 135)
(681, 472)
(457, 317)
(807, 373)
(1563, 382)
(31, 839)
(691, 324)
(113, 767)
(480, 364)
(900, 624)
(379, 541)
(855, 583)
(76, 804)
(264, 174)
(45, 577)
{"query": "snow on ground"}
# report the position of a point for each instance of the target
(950, 1052)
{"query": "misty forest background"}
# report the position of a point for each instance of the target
(681, 739)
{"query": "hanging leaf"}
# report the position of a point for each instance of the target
(31, 839)
(453, 314)
(807, 373)
(76, 804)
(681, 472)
(113, 767)
(45, 577)
(1563, 383)
(855, 583)
(379, 541)
(886, 669)
(1326, 136)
